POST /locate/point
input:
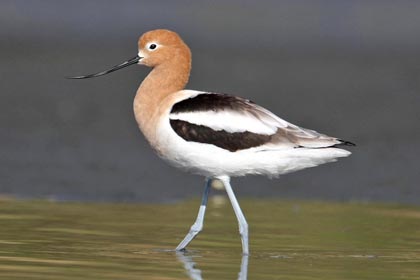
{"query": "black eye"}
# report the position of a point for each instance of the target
(152, 46)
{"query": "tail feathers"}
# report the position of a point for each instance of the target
(338, 145)
(344, 143)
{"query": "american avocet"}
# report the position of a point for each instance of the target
(216, 135)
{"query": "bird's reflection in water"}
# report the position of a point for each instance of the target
(195, 273)
(189, 265)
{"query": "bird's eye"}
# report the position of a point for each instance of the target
(152, 46)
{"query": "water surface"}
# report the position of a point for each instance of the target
(288, 240)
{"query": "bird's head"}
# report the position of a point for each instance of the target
(156, 47)
(162, 46)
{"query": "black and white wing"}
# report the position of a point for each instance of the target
(233, 123)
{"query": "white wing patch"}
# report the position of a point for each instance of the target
(229, 121)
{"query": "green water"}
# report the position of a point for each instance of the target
(288, 240)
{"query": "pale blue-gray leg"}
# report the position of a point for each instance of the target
(198, 225)
(243, 274)
(243, 225)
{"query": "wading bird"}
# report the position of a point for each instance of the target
(216, 135)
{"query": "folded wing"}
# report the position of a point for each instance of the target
(235, 124)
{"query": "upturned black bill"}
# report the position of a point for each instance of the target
(129, 62)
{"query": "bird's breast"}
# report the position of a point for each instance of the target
(152, 116)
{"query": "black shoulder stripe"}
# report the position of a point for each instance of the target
(229, 141)
(209, 102)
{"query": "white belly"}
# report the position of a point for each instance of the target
(210, 160)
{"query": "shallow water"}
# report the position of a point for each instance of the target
(288, 240)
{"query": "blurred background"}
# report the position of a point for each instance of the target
(349, 69)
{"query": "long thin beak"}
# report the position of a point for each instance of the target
(129, 62)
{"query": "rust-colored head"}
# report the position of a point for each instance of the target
(162, 46)
(157, 47)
